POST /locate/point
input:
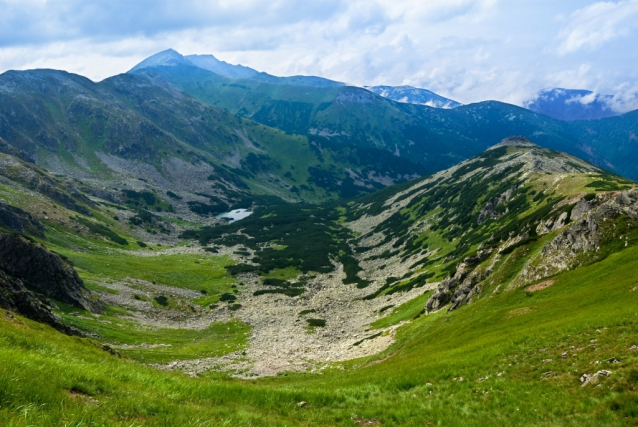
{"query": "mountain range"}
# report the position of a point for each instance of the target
(434, 137)
(557, 103)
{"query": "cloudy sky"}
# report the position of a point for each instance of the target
(468, 50)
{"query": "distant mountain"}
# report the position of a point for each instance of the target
(413, 95)
(132, 129)
(171, 58)
(165, 58)
(572, 104)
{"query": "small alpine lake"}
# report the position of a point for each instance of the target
(235, 215)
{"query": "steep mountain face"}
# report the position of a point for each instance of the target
(437, 138)
(43, 271)
(15, 297)
(31, 275)
(469, 225)
(138, 131)
(572, 104)
(168, 57)
(413, 95)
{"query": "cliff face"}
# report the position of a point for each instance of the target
(43, 271)
(16, 219)
(604, 221)
(14, 296)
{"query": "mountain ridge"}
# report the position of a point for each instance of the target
(413, 95)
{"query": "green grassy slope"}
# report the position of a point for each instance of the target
(514, 355)
(405, 236)
(508, 350)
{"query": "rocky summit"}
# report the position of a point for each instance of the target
(198, 243)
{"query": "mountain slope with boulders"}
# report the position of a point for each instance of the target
(506, 219)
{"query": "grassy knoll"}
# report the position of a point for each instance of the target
(196, 272)
(520, 355)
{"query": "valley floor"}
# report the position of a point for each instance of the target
(565, 354)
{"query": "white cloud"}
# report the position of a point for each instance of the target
(598, 23)
(625, 99)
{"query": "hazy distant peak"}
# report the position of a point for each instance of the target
(572, 104)
(168, 57)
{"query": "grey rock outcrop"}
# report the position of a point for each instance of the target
(489, 210)
(552, 224)
(583, 236)
(12, 218)
(14, 296)
(460, 287)
(43, 271)
(582, 207)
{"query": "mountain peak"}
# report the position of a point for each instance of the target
(223, 68)
(571, 104)
(517, 141)
(168, 57)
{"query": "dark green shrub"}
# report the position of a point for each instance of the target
(162, 300)
(316, 322)
(228, 297)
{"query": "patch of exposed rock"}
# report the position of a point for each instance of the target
(460, 287)
(12, 218)
(43, 271)
(584, 236)
(14, 296)
(489, 210)
(281, 338)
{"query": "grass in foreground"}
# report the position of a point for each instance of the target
(511, 359)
